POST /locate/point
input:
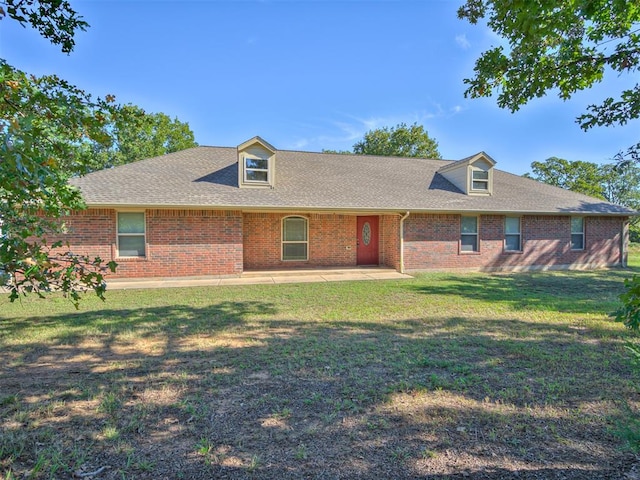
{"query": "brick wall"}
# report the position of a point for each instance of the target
(203, 242)
(390, 241)
(90, 232)
(178, 242)
(332, 241)
(432, 242)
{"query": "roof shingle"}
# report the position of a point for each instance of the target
(207, 177)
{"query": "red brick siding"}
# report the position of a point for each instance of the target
(390, 241)
(89, 232)
(332, 241)
(179, 242)
(432, 242)
(203, 242)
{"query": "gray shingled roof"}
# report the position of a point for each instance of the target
(207, 177)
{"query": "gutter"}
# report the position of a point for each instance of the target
(402, 219)
(355, 210)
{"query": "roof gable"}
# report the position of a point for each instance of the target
(480, 157)
(257, 141)
(472, 175)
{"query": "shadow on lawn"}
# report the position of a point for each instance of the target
(225, 391)
(166, 319)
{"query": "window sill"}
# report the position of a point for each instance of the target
(512, 252)
(131, 259)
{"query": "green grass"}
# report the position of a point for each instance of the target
(274, 381)
(634, 255)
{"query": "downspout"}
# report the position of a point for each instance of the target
(624, 243)
(402, 219)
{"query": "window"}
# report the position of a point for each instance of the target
(256, 169)
(131, 238)
(512, 235)
(294, 238)
(577, 233)
(480, 180)
(469, 234)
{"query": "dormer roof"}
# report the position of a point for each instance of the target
(472, 175)
(257, 140)
(468, 161)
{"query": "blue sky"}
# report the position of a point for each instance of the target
(308, 75)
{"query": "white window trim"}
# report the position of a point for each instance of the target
(144, 234)
(584, 246)
(519, 234)
(246, 157)
(283, 242)
(476, 234)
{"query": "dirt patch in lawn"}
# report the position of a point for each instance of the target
(231, 389)
(319, 403)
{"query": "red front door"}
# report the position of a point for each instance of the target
(367, 251)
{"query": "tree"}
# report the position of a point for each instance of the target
(578, 176)
(54, 19)
(560, 46)
(621, 185)
(398, 141)
(138, 135)
(42, 120)
(337, 152)
(616, 183)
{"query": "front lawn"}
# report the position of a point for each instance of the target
(444, 376)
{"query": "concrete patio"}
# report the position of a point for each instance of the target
(263, 277)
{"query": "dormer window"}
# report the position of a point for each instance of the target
(472, 175)
(480, 180)
(256, 169)
(256, 164)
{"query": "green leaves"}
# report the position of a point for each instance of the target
(53, 19)
(51, 131)
(136, 135)
(629, 312)
(618, 184)
(398, 141)
(577, 176)
(557, 46)
(611, 112)
(42, 120)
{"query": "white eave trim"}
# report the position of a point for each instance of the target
(358, 210)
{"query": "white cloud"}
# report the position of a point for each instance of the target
(298, 144)
(462, 41)
(341, 133)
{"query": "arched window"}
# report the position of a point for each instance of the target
(295, 238)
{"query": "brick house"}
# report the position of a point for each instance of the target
(221, 211)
